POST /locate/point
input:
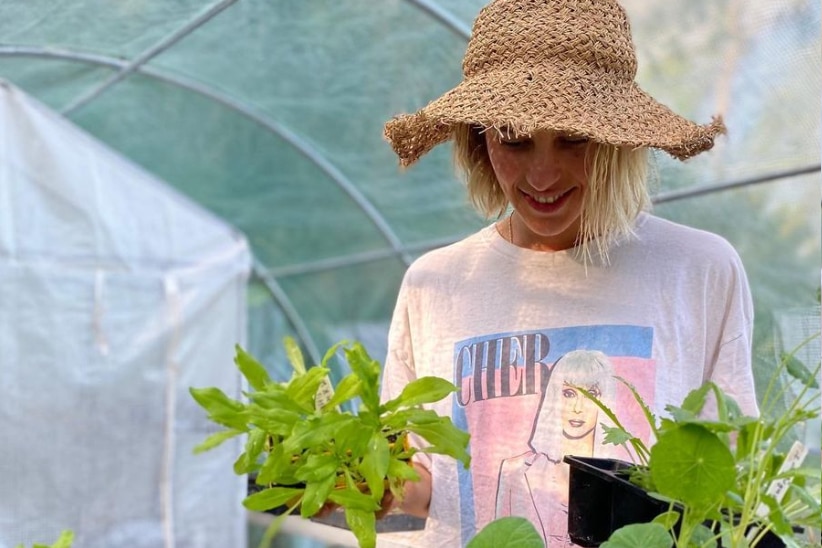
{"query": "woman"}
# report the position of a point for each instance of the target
(567, 423)
(549, 123)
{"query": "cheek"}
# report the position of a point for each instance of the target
(504, 164)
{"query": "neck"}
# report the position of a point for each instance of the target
(520, 235)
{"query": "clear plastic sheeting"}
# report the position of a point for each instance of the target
(103, 329)
(269, 114)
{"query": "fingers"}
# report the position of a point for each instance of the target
(387, 504)
(327, 509)
(417, 496)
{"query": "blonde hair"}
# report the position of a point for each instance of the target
(617, 188)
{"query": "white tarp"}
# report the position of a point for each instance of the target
(116, 295)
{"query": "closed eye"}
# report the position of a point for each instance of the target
(509, 138)
(514, 143)
(573, 140)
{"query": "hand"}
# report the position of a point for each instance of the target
(415, 502)
(387, 505)
(417, 495)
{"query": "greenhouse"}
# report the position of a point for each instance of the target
(178, 177)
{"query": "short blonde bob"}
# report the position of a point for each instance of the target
(617, 189)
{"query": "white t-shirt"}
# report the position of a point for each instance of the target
(671, 310)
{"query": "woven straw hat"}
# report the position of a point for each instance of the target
(564, 65)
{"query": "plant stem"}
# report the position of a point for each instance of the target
(275, 525)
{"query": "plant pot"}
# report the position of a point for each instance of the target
(601, 499)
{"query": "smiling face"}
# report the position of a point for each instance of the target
(544, 178)
(579, 414)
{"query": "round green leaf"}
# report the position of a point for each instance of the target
(507, 532)
(692, 465)
(647, 535)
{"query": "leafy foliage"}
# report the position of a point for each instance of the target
(725, 472)
(64, 541)
(507, 532)
(306, 452)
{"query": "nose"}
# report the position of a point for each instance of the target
(578, 404)
(544, 168)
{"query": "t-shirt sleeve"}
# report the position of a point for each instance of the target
(399, 368)
(732, 367)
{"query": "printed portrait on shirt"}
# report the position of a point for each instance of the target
(521, 397)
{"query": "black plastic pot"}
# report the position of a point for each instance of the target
(601, 500)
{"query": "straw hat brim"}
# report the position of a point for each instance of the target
(604, 108)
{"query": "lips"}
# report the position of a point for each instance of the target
(547, 203)
(576, 423)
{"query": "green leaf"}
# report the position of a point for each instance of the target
(374, 465)
(646, 535)
(368, 370)
(804, 497)
(253, 447)
(798, 370)
(333, 350)
(353, 498)
(667, 519)
(271, 498)
(316, 493)
(314, 433)
(278, 468)
(703, 537)
(402, 469)
(241, 466)
(349, 387)
(679, 416)
(276, 398)
(65, 540)
(638, 444)
(318, 468)
(692, 465)
(352, 437)
(294, 355)
(278, 422)
(303, 388)
(695, 400)
(216, 439)
(646, 411)
(252, 370)
(421, 391)
(364, 526)
(507, 532)
(274, 527)
(397, 420)
(221, 409)
(444, 438)
(615, 435)
(776, 516)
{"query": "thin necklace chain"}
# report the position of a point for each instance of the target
(511, 228)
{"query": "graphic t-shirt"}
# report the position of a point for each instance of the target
(520, 333)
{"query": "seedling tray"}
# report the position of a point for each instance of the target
(601, 499)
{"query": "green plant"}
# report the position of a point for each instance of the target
(306, 452)
(726, 479)
(507, 532)
(64, 541)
